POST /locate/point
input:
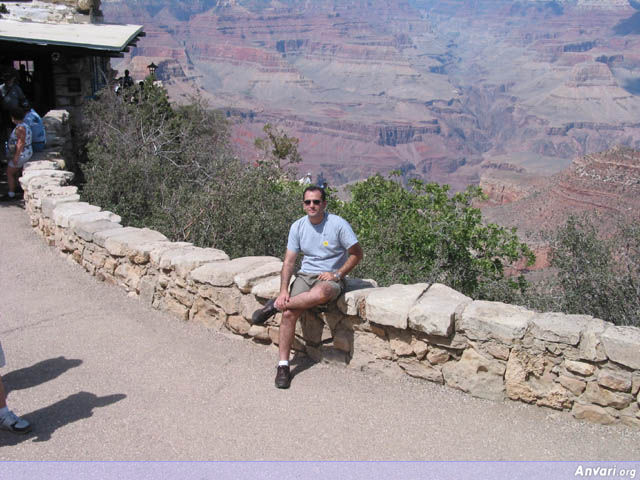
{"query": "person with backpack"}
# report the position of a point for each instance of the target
(19, 151)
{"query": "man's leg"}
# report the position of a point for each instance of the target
(287, 332)
(9, 420)
(3, 398)
(319, 294)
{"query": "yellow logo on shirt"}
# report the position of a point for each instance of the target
(325, 243)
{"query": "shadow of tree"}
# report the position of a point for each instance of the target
(632, 86)
(47, 420)
(628, 26)
(38, 373)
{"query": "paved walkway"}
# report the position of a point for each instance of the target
(104, 378)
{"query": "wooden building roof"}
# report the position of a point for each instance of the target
(102, 39)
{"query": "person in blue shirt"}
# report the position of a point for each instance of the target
(331, 250)
(38, 134)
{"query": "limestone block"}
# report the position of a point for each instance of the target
(40, 165)
(555, 397)
(97, 258)
(417, 369)
(438, 356)
(208, 314)
(227, 298)
(497, 350)
(110, 265)
(343, 340)
(259, 333)
(632, 410)
(269, 288)
(37, 183)
(147, 289)
(528, 378)
(49, 204)
(572, 384)
(368, 348)
(274, 334)
(81, 218)
(390, 306)
(247, 279)
(131, 242)
(558, 327)
(238, 325)
(129, 274)
(100, 237)
(601, 396)
(630, 421)
(482, 320)
(248, 305)
(184, 260)
(615, 380)
(476, 375)
(400, 342)
(350, 302)
(420, 348)
(635, 380)
(59, 177)
(590, 345)
(581, 368)
(622, 345)
(176, 308)
(86, 231)
(592, 413)
(434, 312)
(221, 274)
(181, 295)
(457, 342)
(156, 253)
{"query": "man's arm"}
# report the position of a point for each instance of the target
(355, 256)
(285, 277)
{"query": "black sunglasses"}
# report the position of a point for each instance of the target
(315, 202)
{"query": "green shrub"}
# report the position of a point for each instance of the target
(172, 169)
(595, 275)
(423, 234)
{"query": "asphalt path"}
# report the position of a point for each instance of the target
(103, 377)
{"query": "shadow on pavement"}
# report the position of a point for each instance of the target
(300, 364)
(47, 420)
(38, 373)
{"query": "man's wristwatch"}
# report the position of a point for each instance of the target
(336, 276)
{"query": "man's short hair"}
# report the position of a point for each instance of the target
(315, 188)
(18, 113)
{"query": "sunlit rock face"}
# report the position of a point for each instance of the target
(435, 89)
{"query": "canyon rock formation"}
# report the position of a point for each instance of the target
(498, 93)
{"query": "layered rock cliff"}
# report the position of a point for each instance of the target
(371, 85)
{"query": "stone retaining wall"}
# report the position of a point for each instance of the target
(490, 350)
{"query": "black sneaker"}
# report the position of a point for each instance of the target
(283, 376)
(265, 313)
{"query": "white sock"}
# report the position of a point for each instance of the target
(11, 194)
(283, 363)
(4, 411)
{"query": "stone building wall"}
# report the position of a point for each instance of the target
(491, 350)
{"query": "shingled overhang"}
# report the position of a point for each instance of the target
(92, 39)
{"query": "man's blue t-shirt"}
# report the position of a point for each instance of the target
(324, 245)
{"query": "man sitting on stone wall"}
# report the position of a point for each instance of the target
(331, 250)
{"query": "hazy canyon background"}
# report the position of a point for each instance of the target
(516, 96)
